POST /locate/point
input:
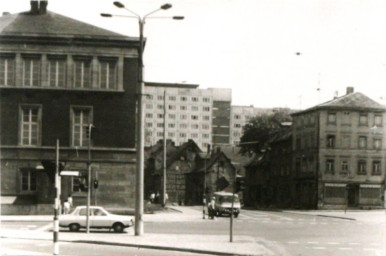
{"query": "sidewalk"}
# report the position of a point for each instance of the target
(200, 243)
(354, 215)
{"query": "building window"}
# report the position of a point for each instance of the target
(160, 134)
(56, 71)
(183, 126)
(330, 166)
(160, 106)
(344, 166)
(237, 125)
(205, 127)
(171, 107)
(183, 98)
(107, 73)
(194, 135)
(30, 125)
(149, 115)
(81, 119)
(206, 118)
(331, 119)
(205, 99)
(183, 108)
(237, 117)
(378, 120)
(28, 180)
(205, 136)
(376, 167)
(82, 73)
(362, 167)
(7, 70)
(172, 116)
(173, 98)
(194, 126)
(183, 117)
(149, 124)
(194, 99)
(182, 135)
(31, 70)
(160, 116)
(76, 181)
(149, 96)
(194, 108)
(170, 134)
(194, 117)
(160, 97)
(171, 125)
(362, 142)
(149, 106)
(377, 143)
(330, 141)
(363, 120)
(160, 125)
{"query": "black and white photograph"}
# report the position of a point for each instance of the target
(193, 127)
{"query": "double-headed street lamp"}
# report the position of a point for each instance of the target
(139, 198)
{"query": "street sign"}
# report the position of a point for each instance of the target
(69, 173)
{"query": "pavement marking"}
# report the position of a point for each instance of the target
(31, 226)
(45, 227)
(319, 248)
(369, 249)
(332, 243)
(293, 242)
(353, 243)
(312, 242)
(345, 248)
(376, 244)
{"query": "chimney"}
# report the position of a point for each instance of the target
(336, 95)
(43, 6)
(34, 7)
(349, 90)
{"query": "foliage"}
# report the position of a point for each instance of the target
(260, 130)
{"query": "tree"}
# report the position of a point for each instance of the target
(260, 130)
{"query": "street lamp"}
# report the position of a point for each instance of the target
(140, 114)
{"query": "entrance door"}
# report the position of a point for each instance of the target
(353, 195)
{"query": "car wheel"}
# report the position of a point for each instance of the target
(118, 227)
(74, 227)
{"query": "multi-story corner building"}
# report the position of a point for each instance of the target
(240, 116)
(339, 153)
(222, 100)
(189, 113)
(58, 76)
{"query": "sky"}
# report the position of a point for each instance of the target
(271, 53)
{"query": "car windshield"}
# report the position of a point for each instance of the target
(228, 199)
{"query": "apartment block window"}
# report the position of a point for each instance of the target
(160, 125)
(237, 117)
(81, 119)
(182, 135)
(7, 69)
(56, 71)
(149, 106)
(194, 135)
(149, 125)
(76, 181)
(160, 106)
(82, 72)
(194, 117)
(172, 116)
(194, 126)
(330, 141)
(363, 120)
(160, 134)
(170, 134)
(183, 117)
(183, 98)
(183, 126)
(205, 127)
(362, 167)
(183, 108)
(172, 125)
(194, 99)
(206, 118)
(330, 166)
(194, 108)
(149, 115)
(160, 116)
(160, 97)
(205, 136)
(173, 98)
(205, 99)
(378, 120)
(171, 107)
(30, 125)
(28, 180)
(377, 143)
(376, 167)
(149, 96)
(107, 73)
(344, 167)
(31, 70)
(362, 142)
(237, 125)
(331, 118)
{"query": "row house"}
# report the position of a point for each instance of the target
(57, 76)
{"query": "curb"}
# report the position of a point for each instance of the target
(322, 215)
(154, 247)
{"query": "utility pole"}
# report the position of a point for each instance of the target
(88, 133)
(164, 157)
(233, 200)
(57, 201)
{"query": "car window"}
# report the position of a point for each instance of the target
(83, 212)
(98, 212)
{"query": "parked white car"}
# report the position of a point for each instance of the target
(98, 218)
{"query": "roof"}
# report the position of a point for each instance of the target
(172, 85)
(54, 25)
(349, 101)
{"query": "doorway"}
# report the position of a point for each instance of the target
(352, 195)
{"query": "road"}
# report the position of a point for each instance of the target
(282, 232)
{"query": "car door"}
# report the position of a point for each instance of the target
(81, 218)
(100, 218)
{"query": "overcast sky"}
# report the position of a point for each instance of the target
(271, 53)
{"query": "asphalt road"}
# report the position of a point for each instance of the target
(283, 233)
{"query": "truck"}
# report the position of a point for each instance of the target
(223, 204)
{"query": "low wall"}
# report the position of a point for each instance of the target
(35, 209)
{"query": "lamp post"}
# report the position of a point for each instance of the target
(139, 197)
